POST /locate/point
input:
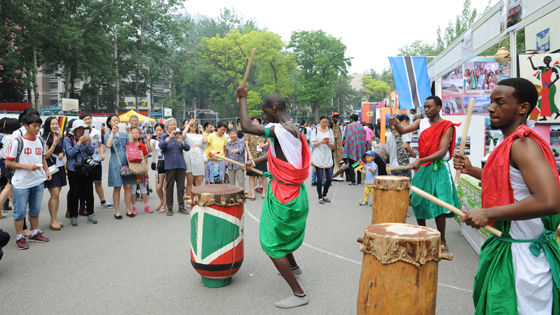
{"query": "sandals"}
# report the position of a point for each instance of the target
(54, 228)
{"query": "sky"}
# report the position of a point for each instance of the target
(372, 30)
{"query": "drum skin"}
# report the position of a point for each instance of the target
(217, 233)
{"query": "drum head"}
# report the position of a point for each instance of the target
(399, 230)
(217, 189)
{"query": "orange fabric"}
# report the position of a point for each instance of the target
(287, 178)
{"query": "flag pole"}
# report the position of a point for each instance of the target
(390, 103)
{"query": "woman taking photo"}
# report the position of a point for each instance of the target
(323, 139)
(194, 158)
(116, 141)
(79, 146)
(172, 145)
(254, 146)
(54, 156)
(154, 143)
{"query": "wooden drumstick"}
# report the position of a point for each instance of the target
(398, 168)
(390, 103)
(212, 153)
(464, 138)
(248, 69)
(449, 207)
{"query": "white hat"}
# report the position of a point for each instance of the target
(77, 124)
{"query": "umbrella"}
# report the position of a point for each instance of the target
(126, 117)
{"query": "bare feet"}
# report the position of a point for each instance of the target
(444, 248)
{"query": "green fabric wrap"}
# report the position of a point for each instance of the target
(494, 283)
(434, 179)
(282, 226)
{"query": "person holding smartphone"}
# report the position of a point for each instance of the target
(172, 145)
(322, 139)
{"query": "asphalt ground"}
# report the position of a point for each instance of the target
(142, 265)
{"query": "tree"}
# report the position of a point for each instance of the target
(321, 59)
(375, 89)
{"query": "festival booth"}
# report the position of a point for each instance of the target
(459, 73)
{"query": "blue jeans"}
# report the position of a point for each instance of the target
(323, 188)
(28, 196)
(314, 176)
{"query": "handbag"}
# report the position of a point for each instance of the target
(133, 154)
(138, 168)
(53, 169)
(125, 170)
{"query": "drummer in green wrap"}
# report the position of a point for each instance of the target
(518, 273)
(285, 208)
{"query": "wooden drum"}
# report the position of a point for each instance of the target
(217, 233)
(399, 269)
(390, 199)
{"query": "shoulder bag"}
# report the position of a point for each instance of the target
(125, 170)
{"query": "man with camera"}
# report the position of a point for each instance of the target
(81, 168)
(96, 138)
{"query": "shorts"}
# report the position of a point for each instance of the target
(97, 176)
(24, 197)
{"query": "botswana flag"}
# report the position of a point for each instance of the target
(411, 80)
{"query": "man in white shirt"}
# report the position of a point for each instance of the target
(30, 172)
(95, 136)
(393, 149)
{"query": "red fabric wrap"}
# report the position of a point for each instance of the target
(430, 139)
(495, 175)
(291, 177)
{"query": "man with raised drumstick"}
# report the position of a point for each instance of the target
(435, 146)
(286, 204)
(518, 273)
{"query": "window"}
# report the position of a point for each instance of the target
(54, 85)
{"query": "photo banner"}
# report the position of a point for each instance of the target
(474, 79)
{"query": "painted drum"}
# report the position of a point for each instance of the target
(217, 233)
(399, 270)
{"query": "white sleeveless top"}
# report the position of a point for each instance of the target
(291, 146)
(425, 124)
(533, 278)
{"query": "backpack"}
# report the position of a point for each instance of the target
(10, 171)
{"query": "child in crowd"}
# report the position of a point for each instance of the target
(141, 180)
(236, 151)
(371, 171)
(30, 172)
(215, 170)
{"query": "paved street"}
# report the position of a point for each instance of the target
(142, 265)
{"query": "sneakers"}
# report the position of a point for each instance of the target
(359, 184)
(183, 211)
(327, 199)
(74, 221)
(38, 238)
(313, 184)
(134, 210)
(83, 211)
(169, 212)
(148, 209)
(352, 184)
(321, 201)
(259, 190)
(22, 243)
(107, 205)
(363, 203)
(91, 219)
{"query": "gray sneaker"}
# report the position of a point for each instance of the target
(74, 221)
(184, 211)
(91, 219)
(169, 212)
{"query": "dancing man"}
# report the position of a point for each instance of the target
(435, 146)
(285, 208)
(518, 273)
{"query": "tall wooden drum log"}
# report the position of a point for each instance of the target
(390, 199)
(217, 233)
(399, 269)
